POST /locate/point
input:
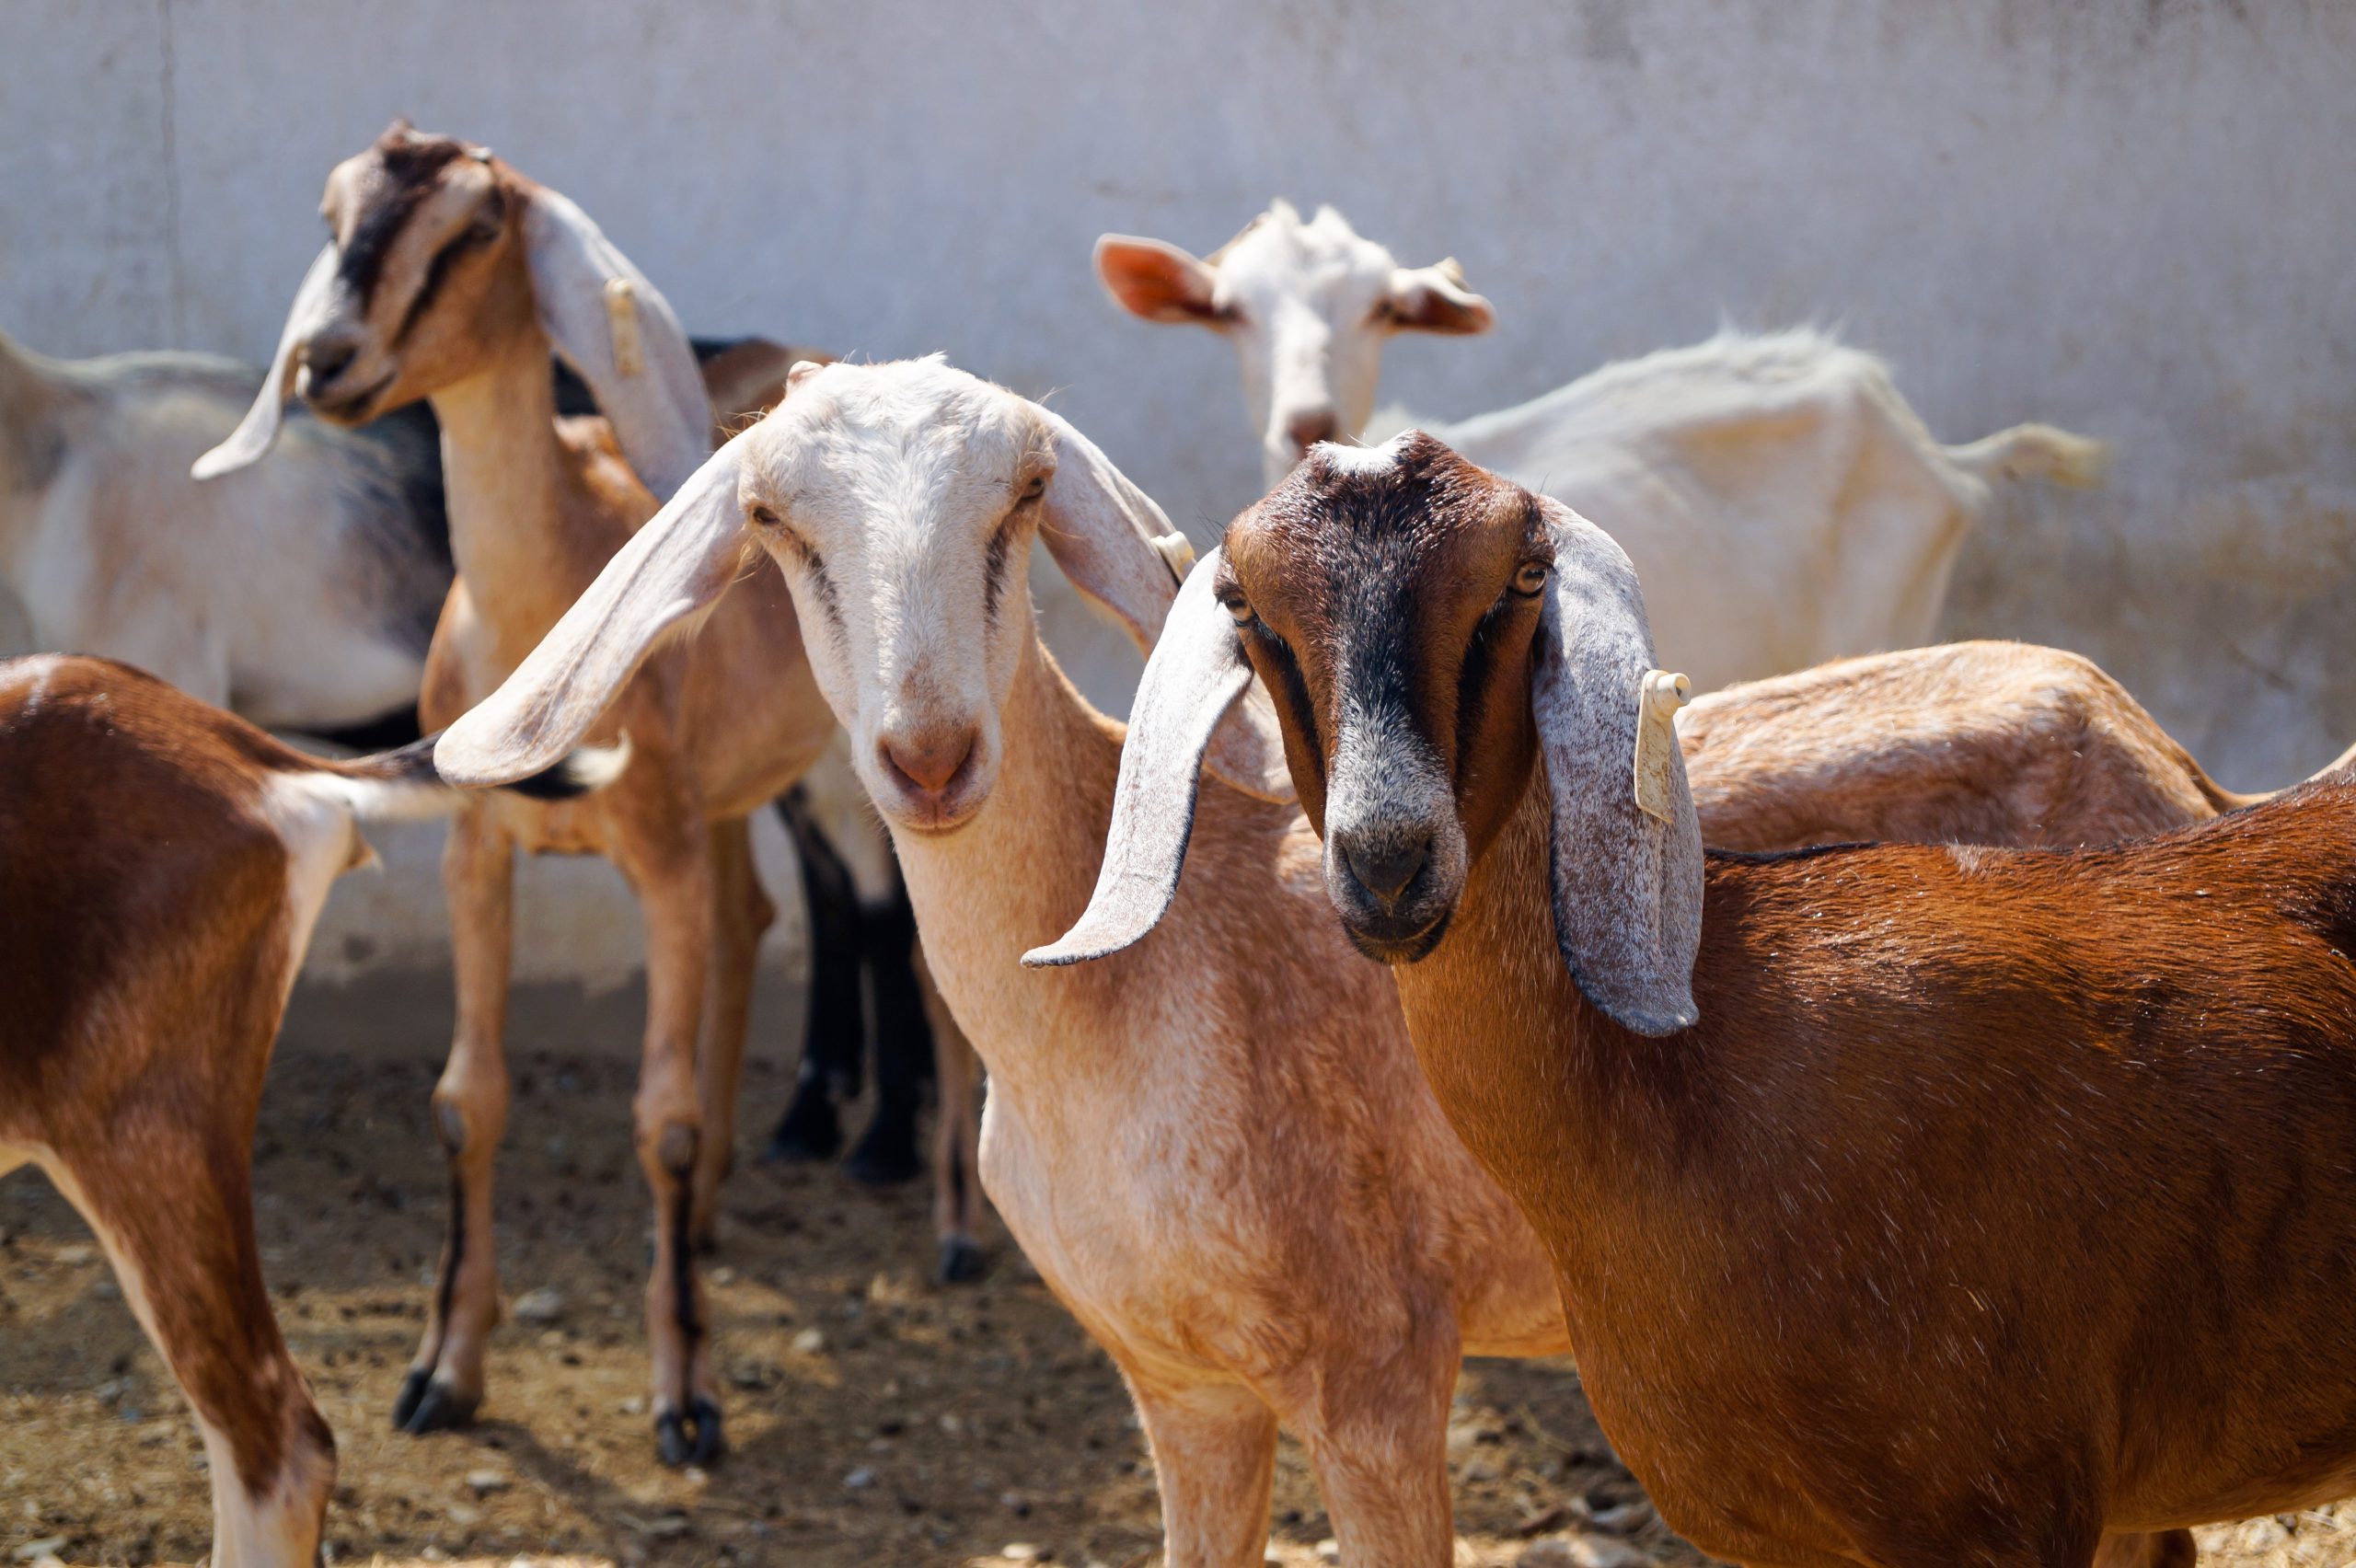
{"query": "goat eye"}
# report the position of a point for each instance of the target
(1037, 488)
(764, 518)
(1531, 579)
(1241, 608)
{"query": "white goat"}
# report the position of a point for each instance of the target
(300, 592)
(1783, 502)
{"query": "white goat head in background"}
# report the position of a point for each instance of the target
(1308, 306)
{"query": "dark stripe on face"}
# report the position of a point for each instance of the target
(994, 568)
(412, 168)
(438, 271)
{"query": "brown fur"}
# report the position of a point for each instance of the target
(1999, 1200)
(720, 723)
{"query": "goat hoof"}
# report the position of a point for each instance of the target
(438, 1407)
(691, 1439)
(884, 1158)
(809, 1134)
(961, 1262)
(412, 1393)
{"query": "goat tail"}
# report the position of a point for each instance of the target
(401, 785)
(2036, 451)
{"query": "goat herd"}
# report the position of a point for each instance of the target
(1984, 1194)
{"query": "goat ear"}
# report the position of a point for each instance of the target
(1627, 883)
(259, 428)
(1434, 299)
(618, 332)
(1156, 280)
(674, 567)
(1120, 551)
(1196, 672)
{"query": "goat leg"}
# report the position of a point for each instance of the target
(956, 1154)
(1215, 1453)
(445, 1385)
(741, 912)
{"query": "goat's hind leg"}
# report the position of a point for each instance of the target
(741, 912)
(444, 1384)
(664, 850)
(1377, 1434)
(956, 1138)
(183, 1249)
(1215, 1455)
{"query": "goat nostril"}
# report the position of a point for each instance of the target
(1385, 872)
(328, 358)
(928, 762)
(1307, 430)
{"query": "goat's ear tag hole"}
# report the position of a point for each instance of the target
(1177, 554)
(622, 321)
(1657, 700)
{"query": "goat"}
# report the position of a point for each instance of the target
(300, 594)
(1786, 452)
(163, 863)
(449, 277)
(1908, 1204)
(1219, 1154)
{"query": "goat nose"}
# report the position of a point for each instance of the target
(326, 357)
(927, 761)
(1308, 428)
(1386, 869)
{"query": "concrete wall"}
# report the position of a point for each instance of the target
(2133, 217)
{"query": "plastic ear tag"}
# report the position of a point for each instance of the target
(1177, 554)
(1657, 701)
(622, 322)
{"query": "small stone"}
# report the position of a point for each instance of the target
(77, 1257)
(1022, 1552)
(34, 1551)
(1480, 1470)
(1329, 1550)
(634, 1405)
(667, 1525)
(1625, 1520)
(860, 1479)
(1271, 1556)
(466, 1518)
(545, 1305)
(1580, 1551)
(487, 1480)
(809, 1341)
(553, 1339)
(722, 1275)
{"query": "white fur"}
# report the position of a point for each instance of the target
(294, 592)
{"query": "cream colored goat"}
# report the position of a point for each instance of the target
(1782, 500)
(449, 277)
(1216, 1147)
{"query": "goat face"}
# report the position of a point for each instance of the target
(1307, 305)
(1389, 599)
(900, 504)
(429, 278)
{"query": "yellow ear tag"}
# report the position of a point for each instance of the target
(1657, 701)
(1177, 553)
(621, 323)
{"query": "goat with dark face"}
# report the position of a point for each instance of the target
(450, 276)
(1908, 1203)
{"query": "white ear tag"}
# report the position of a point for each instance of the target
(621, 323)
(1177, 553)
(1657, 700)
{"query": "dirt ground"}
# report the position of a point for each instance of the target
(873, 1418)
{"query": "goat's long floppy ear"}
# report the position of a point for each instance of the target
(259, 428)
(1195, 674)
(1627, 883)
(1154, 279)
(672, 568)
(1120, 551)
(619, 333)
(1434, 299)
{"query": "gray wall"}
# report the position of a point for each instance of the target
(2131, 216)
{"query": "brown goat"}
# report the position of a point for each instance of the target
(449, 277)
(1908, 1204)
(161, 864)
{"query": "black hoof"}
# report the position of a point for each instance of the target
(405, 1403)
(691, 1439)
(437, 1408)
(809, 1132)
(961, 1262)
(886, 1155)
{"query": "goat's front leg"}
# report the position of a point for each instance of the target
(1215, 1455)
(741, 912)
(956, 1139)
(444, 1384)
(1376, 1427)
(663, 849)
